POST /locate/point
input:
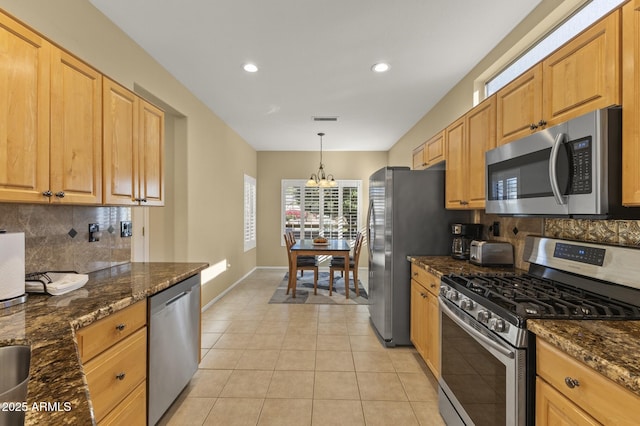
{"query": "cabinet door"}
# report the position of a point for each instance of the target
(433, 334)
(481, 137)
(434, 149)
(151, 154)
(120, 155)
(456, 170)
(631, 102)
(76, 131)
(419, 161)
(519, 105)
(552, 408)
(584, 74)
(418, 327)
(24, 113)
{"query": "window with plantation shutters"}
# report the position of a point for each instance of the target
(311, 211)
(249, 212)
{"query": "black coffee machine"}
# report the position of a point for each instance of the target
(463, 234)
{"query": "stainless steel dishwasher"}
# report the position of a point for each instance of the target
(174, 343)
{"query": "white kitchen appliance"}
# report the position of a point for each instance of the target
(12, 288)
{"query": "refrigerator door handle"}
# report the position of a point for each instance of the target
(370, 228)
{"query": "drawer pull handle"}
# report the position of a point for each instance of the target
(415, 274)
(433, 285)
(120, 327)
(120, 376)
(571, 383)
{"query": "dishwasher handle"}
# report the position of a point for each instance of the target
(178, 297)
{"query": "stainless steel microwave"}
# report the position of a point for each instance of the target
(571, 169)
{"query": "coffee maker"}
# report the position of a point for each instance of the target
(463, 234)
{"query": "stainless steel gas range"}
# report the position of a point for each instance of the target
(488, 356)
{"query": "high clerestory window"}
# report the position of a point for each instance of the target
(583, 18)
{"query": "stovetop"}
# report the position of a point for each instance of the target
(521, 297)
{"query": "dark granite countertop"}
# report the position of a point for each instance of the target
(443, 265)
(47, 324)
(612, 348)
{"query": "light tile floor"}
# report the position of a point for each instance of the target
(278, 364)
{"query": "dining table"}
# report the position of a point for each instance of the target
(336, 248)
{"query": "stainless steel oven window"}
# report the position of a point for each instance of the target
(482, 376)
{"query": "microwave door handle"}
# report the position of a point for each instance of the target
(553, 172)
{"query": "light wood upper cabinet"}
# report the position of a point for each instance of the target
(580, 76)
(120, 144)
(584, 74)
(456, 170)
(467, 141)
(631, 104)
(519, 106)
(481, 137)
(133, 148)
(76, 131)
(429, 153)
(24, 113)
(151, 154)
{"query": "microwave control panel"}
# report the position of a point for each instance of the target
(581, 160)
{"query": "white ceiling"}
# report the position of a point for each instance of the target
(315, 59)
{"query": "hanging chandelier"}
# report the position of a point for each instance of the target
(320, 178)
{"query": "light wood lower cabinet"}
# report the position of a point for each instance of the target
(425, 319)
(131, 411)
(113, 351)
(569, 392)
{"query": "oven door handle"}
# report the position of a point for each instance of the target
(474, 333)
(553, 169)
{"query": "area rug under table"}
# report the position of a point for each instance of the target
(304, 291)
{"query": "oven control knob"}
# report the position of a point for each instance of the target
(452, 295)
(484, 315)
(496, 324)
(443, 290)
(467, 304)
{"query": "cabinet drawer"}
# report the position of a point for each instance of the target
(132, 411)
(426, 279)
(116, 372)
(606, 401)
(104, 333)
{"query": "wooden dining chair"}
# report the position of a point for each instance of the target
(301, 259)
(338, 264)
(303, 263)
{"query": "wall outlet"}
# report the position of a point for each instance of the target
(126, 229)
(94, 232)
(495, 229)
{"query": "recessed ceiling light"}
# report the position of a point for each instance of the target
(380, 67)
(250, 67)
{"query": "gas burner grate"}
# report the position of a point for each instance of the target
(529, 296)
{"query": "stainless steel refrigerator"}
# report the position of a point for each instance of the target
(406, 216)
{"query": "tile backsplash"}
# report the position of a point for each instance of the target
(515, 229)
(57, 237)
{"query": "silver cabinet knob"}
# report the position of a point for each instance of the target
(571, 382)
(60, 194)
(48, 193)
